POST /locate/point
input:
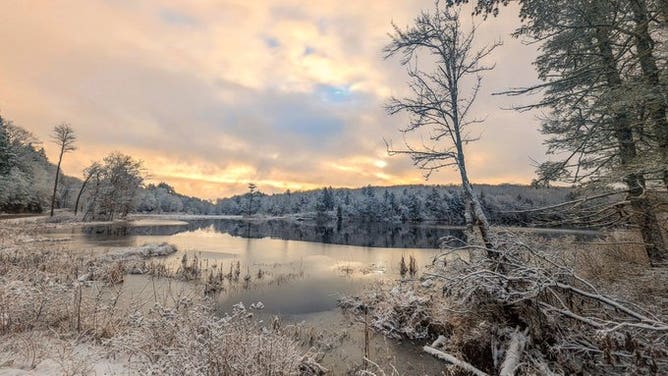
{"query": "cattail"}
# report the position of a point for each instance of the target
(412, 266)
(402, 267)
(237, 271)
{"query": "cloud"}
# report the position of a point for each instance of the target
(174, 17)
(213, 94)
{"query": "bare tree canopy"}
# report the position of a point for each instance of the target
(63, 136)
(439, 103)
(114, 184)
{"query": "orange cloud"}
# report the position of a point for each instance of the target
(214, 94)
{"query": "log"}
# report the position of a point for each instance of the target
(451, 359)
(514, 353)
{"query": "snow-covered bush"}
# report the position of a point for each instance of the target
(398, 312)
(188, 339)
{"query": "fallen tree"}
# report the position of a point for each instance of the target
(521, 312)
(573, 326)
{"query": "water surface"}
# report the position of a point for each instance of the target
(304, 267)
(297, 270)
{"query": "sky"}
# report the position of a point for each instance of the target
(213, 94)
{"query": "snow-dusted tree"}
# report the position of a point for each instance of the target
(604, 101)
(641, 27)
(23, 187)
(369, 208)
(20, 145)
(440, 102)
(324, 203)
(5, 165)
(63, 136)
(117, 183)
(93, 170)
(327, 198)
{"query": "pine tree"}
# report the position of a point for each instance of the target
(5, 162)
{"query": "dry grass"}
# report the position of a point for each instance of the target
(54, 300)
(189, 339)
(608, 259)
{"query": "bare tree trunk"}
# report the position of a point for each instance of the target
(55, 184)
(479, 217)
(83, 186)
(468, 213)
(476, 212)
(644, 215)
(514, 353)
(436, 105)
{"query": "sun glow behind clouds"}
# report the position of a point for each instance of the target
(214, 94)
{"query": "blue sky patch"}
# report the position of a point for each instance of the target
(331, 93)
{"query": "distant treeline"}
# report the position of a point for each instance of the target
(26, 181)
(412, 203)
(162, 198)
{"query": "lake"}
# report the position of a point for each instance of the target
(304, 267)
(297, 270)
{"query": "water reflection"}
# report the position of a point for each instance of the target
(305, 265)
(360, 234)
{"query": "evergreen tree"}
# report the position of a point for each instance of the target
(433, 205)
(5, 162)
(328, 198)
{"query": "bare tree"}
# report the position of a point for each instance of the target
(63, 136)
(438, 106)
(117, 183)
(93, 170)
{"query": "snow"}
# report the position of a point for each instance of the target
(427, 283)
(143, 252)
(64, 359)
